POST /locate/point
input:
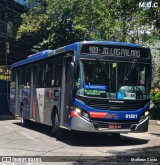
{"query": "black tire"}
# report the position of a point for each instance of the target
(24, 122)
(58, 132)
(54, 124)
(116, 136)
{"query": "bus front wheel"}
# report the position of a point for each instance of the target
(58, 132)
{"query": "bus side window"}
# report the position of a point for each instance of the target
(22, 78)
(57, 72)
(41, 74)
(49, 73)
(27, 78)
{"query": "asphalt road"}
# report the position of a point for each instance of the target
(36, 140)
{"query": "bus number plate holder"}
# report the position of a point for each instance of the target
(115, 126)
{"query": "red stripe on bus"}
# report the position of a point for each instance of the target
(98, 114)
(111, 116)
(73, 114)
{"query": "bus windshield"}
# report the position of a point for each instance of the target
(113, 80)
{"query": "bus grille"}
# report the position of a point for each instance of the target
(114, 107)
(111, 104)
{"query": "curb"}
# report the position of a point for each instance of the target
(6, 117)
(157, 122)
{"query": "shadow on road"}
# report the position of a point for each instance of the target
(94, 139)
(75, 138)
(156, 134)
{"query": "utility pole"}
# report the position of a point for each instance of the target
(6, 50)
(6, 44)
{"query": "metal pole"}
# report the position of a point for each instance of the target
(5, 17)
(6, 50)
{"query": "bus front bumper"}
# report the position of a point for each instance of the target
(80, 124)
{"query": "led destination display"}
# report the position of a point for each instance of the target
(115, 50)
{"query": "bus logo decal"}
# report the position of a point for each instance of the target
(111, 116)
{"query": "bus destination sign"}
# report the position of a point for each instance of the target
(115, 50)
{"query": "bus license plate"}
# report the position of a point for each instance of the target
(115, 126)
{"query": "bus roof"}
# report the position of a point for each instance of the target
(46, 53)
(72, 47)
(113, 43)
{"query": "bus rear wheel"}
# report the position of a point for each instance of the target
(24, 122)
(58, 132)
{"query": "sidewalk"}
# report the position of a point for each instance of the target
(154, 122)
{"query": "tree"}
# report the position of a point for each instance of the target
(10, 20)
(54, 26)
(66, 21)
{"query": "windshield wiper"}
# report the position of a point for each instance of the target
(108, 75)
(126, 78)
(103, 67)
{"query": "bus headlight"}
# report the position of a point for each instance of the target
(146, 113)
(82, 113)
(78, 110)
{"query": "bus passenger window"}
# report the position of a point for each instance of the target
(22, 79)
(57, 72)
(27, 78)
(49, 73)
(41, 69)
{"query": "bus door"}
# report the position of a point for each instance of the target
(27, 91)
(13, 92)
(33, 96)
(17, 93)
(66, 91)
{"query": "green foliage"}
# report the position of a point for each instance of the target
(66, 21)
(156, 98)
(33, 21)
(5, 72)
(155, 113)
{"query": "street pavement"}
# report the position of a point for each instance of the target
(37, 140)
